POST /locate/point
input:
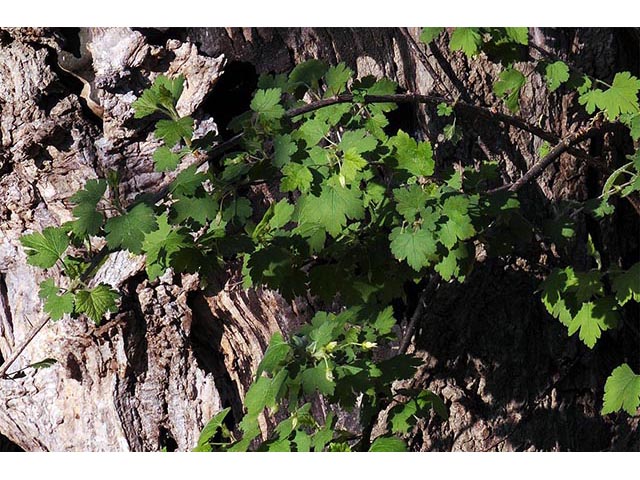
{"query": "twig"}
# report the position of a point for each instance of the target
(417, 315)
(536, 170)
(431, 99)
(16, 353)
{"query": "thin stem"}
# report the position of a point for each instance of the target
(16, 353)
(536, 170)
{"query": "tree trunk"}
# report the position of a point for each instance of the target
(152, 375)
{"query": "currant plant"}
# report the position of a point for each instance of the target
(587, 303)
(357, 210)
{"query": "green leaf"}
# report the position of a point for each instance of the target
(172, 131)
(283, 148)
(509, 86)
(418, 247)
(592, 319)
(161, 245)
(238, 210)
(296, 177)
(173, 86)
(266, 103)
(127, 230)
(626, 285)
(444, 109)
(599, 207)
(459, 226)
(188, 181)
(55, 305)
(97, 302)
(163, 95)
(257, 396)
(276, 354)
(402, 417)
(200, 209)
(385, 321)
(556, 74)
(352, 164)
(450, 266)
(388, 444)
(312, 131)
(46, 363)
(518, 34)
(416, 158)
(336, 79)
(88, 220)
(620, 98)
(429, 34)
(166, 160)
(307, 73)
(317, 379)
(44, 249)
(411, 201)
(332, 209)
(466, 39)
(357, 140)
(633, 122)
(622, 391)
(282, 213)
(211, 428)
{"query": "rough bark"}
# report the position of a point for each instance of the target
(174, 355)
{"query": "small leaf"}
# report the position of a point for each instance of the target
(172, 131)
(296, 177)
(417, 247)
(275, 355)
(509, 86)
(626, 285)
(622, 391)
(556, 74)
(429, 34)
(388, 444)
(317, 378)
(267, 103)
(332, 208)
(357, 140)
(97, 302)
(88, 220)
(166, 160)
(282, 212)
(416, 158)
(336, 79)
(55, 305)
(307, 74)
(128, 230)
(592, 319)
(211, 428)
(44, 249)
(444, 110)
(283, 148)
(466, 39)
(46, 363)
(620, 98)
(518, 34)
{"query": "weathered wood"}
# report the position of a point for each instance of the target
(174, 355)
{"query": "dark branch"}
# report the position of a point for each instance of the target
(564, 145)
(488, 113)
(417, 314)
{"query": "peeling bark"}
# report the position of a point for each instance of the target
(152, 375)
